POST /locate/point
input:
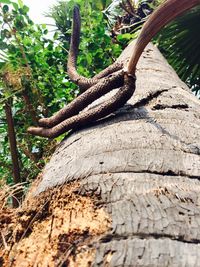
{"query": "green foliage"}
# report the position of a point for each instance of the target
(32, 74)
(180, 43)
(127, 17)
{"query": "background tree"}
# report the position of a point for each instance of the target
(27, 76)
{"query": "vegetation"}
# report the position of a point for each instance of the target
(30, 72)
(180, 44)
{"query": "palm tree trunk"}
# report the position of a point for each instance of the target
(140, 169)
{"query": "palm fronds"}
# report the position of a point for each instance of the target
(180, 43)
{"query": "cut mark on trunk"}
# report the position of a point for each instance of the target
(168, 173)
(162, 107)
(65, 147)
(186, 147)
(144, 101)
(114, 237)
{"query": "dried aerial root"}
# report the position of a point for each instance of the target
(104, 109)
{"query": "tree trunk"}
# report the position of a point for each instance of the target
(132, 191)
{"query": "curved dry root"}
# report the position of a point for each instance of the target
(83, 82)
(104, 109)
(82, 101)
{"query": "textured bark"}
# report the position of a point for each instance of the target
(143, 164)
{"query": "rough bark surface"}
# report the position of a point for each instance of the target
(143, 164)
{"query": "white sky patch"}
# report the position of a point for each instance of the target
(38, 8)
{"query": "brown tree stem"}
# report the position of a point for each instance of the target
(13, 150)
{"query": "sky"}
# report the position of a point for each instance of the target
(38, 8)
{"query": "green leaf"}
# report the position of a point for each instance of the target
(25, 9)
(5, 1)
(5, 9)
(20, 23)
(125, 36)
(5, 34)
(55, 36)
(3, 45)
(15, 5)
(20, 2)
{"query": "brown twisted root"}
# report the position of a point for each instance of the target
(109, 106)
(82, 101)
(82, 81)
